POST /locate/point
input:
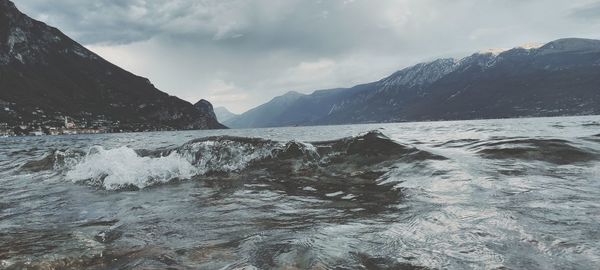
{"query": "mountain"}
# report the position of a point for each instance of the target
(264, 115)
(223, 114)
(45, 76)
(206, 108)
(559, 78)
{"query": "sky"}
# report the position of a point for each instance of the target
(242, 53)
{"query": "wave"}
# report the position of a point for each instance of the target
(123, 168)
(365, 157)
(555, 151)
(55, 159)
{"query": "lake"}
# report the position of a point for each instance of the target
(493, 194)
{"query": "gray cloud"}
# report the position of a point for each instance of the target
(587, 12)
(240, 53)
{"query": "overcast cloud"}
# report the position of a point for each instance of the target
(241, 53)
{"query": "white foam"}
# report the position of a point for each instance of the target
(309, 189)
(120, 167)
(349, 197)
(335, 194)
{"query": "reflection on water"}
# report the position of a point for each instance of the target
(496, 194)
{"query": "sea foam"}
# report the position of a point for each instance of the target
(121, 167)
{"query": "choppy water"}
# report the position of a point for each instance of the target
(494, 194)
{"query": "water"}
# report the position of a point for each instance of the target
(493, 194)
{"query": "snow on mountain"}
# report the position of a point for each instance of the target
(526, 46)
(558, 78)
(420, 74)
(531, 45)
(429, 72)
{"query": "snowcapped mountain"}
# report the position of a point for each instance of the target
(46, 76)
(561, 77)
(420, 74)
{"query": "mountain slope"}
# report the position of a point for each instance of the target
(264, 115)
(223, 114)
(45, 75)
(559, 78)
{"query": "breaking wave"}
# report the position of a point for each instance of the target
(126, 168)
(123, 167)
(368, 156)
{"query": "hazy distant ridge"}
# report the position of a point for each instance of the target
(561, 77)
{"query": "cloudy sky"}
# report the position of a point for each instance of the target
(241, 53)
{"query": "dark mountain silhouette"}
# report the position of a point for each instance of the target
(45, 75)
(557, 79)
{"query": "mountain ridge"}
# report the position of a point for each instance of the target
(223, 114)
(560, 77)
(46, 76)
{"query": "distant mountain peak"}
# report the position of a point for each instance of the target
(494, 51)
(205, 107)
(420, 74)
(293, 93)
(204, 101)
(479, 59)
(571, 45)
(288, 97)
(526, 46)
(530, 45)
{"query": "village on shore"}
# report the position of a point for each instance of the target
(68, 126)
